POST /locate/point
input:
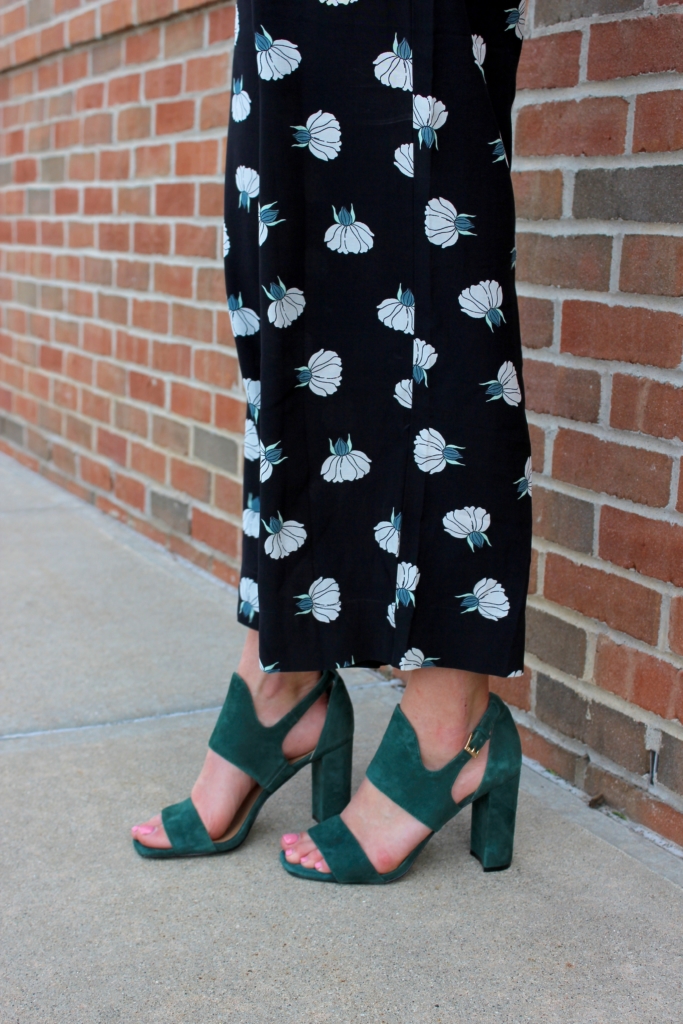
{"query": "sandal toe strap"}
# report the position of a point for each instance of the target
(344, 854)
(185, 829)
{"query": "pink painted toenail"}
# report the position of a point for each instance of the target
(289, 853)
(290, 837)
(144, 830)
(319, 866)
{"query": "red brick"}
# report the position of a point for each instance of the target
(173, 280)
(52, 39)
(131, 349)
(144, 388)
(193, 322)
(130, 491)
(74, 66)
(27, 232)
(162, 82)
(652, 265)
(211, 199)
(97, 474)
(143, 47)
(134, 200)
(26, 408)
(125, 89)
(217, 533)
(562, 390)
(628, 333)
(79, 367)
(215, 367)
(191, 403)
(196, 158)
(111, 377)
(622, 604)
(154, 10)
(648, 406)
(152, 238)
(82, 166)
(172, 358)
(79, 432)
(90, 97)
(152, 161)
(676, 626)
(538, 194)
(97, 271)
(52, 233)
(214, 111)
(228, 495)
(658, 124)
(81, 303)
(14, 21)
(175, 200)
(98, 201)
(643, 680)
(622, 470)
(565, 261)
(114, 164)
(134, 123)
(114, 237)
(68, 268)
(65, 395)
(97, 339)
(51, 358)
(635, 47)
(112, 446)
(590, 127)
(195, 241)
(38, 384)
(184, 35)
(64, 459)
(97, 130)
(131, 418)
(95, 407)
(221, 24)
(649, 546)
(210, 285)
(150, 316)
(147, 461)
(25, 171)
(39, 138)
(206, 73)
(174, 117)
(537, 437)
(230, 413)
(116, 15)
(190, 479)
(132, 274)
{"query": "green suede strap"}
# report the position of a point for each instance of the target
(398, 771)
(240, 738)
(343, 853)
(185, 829)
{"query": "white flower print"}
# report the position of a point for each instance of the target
(251, 517)
(322, 600)
(244, 321)
(525, 484)
(347, 235)
(395, 67)
(399, 313)
(388, 533)
(488, 598)
(321, 134)
(403, 393)
(391, 614)
(248, 598)
(267, 218)
(336, 3)
(432, 454)
(283, 537)
(479, 51)
(424, 357)
(506, 386)
(251, 442)
(443, 223)
(248, 185)
(275, 58)
(344, 463)
(226, 242)
(428, 116)
(407, 579)
(270, 456)
(513, 675)
(404, 159)
(469, 524)
(253, 392)
(499, 153)
(286, 304)
(516, 19)
(322, 374)
(414, 658)
(241, 100)
(237, 23)
(483, 301)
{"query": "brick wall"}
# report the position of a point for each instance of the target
(598, 175)
(118, 376)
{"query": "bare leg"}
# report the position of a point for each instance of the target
(443, 706)
(221, 787)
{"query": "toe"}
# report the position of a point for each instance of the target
(289, 839)
(296, 852)
(152, 834)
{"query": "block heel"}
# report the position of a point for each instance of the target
(493, 825)
(331, 782)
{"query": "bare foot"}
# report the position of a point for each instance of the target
(221, 787)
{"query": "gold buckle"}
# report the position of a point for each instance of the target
(470, 750)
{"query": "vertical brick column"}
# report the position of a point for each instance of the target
(598, 177)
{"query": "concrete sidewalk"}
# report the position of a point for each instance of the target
(114, 659)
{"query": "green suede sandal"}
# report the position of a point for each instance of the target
(398, 771)
(240, 738)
